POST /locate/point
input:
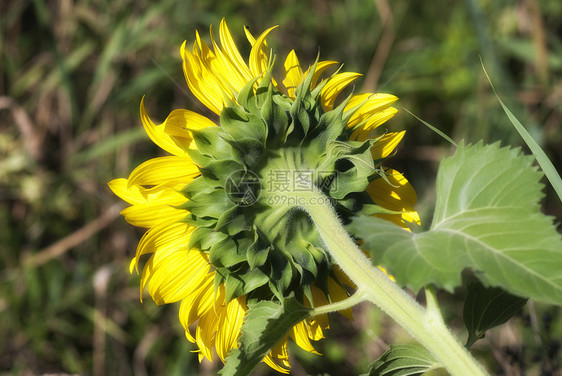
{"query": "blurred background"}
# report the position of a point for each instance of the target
(72, 74)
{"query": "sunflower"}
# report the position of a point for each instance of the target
(225, 228)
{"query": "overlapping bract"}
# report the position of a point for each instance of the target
(217, 257)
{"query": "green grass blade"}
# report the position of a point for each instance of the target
(434, 129)
(541, 157)
(111, 145)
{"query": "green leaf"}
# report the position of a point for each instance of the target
(354, 163)
(266, 323)
(330, 126)
(248, 151)
(276, 119)
(233, 221)
(213, 204)
(487, 218)
(402, 360)
(247, 98)
(241, 124)
(487, 307)
(216, 173)
(211, 142)
(259, 250)
(226, 253)
(243, 283)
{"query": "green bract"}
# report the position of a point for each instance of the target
(247, 204)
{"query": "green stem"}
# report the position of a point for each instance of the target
(354, 299)
(426, 326)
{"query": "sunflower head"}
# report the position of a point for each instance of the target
(226, 218)
(256, 168)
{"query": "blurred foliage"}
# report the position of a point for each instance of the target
(72, 74)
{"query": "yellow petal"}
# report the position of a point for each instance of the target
(319, 322)
(174, 134)
(180, 123)
(229, 326)
(411, 216)
(230, 73)
(227, 43)
(334, 87)
(138, 195)
(149, 215)
(315, 326)
(200, 82)
(318, 296)
(151, 207)
(215, 87)
(338, 294)
(396, 219)
(258, 54)
(299, 334)
(279, 355)
(158, 136)
(198, 303)
(363, 132)
(399, 195)
(205, 54)
(391, 277)
(293, 73)
(166, 171)
(205, 333)
(373, 103)
(386, 144)
(131, 194)
(173, 274)
(249, 36)
(343, 278)
(227, 74)
(165, 236)
(320, 68)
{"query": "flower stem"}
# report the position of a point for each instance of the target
(354, 299)
(425, 325)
